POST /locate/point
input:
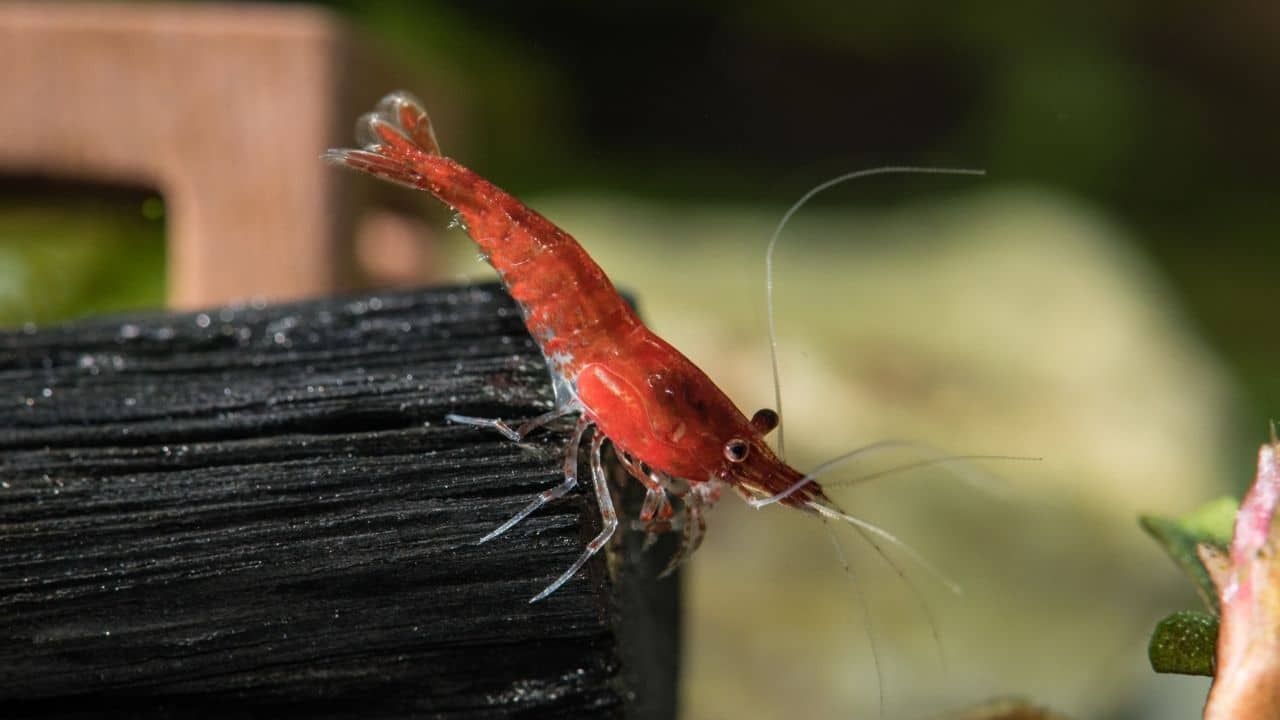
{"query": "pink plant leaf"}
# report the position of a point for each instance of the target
(1247, 684)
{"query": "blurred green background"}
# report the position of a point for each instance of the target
(1105, 298)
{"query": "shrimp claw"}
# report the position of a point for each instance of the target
(608, 518)
(694, 523)
(694, 526)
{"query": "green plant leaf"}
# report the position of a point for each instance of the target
(1184, 643)
(1211, 524)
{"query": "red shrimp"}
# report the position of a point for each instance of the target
(671, 427)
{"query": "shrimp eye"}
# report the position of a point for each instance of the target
(736, 450)
(764, 421)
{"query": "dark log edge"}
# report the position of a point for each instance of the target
(303, 542)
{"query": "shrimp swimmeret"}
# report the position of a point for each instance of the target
(671, 427)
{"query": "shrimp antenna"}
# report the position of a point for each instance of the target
(866, 613)
(773, 243)
(937, 458)
(906, 580)
(836, 514)
(915, 591)
(944, 460)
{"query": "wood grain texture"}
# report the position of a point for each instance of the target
(259, 511)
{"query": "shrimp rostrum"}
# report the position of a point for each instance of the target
(671, 427)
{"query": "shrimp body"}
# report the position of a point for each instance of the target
(671, 427)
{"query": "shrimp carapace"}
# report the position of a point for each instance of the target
(671, 427)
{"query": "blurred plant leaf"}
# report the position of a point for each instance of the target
(65, 254)
(1184, 643)
(1210, 525)
(1247, 682)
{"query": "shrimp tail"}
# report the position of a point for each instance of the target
(399, 145)
(538, 262)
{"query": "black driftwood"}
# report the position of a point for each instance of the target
(259, 511)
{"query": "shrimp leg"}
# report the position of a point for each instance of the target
(520, 431)
(656, 504)
(695, 526)
(559, 491)
(608, 519)
(655, 513)
(655, 517)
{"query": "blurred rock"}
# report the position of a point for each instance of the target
(1005, 709)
